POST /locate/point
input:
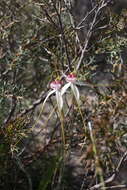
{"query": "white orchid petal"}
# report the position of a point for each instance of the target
(59, 100)
(75, 92)
(64, 89)
(49, 94)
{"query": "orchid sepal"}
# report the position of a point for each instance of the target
(75, 92)
(64, 89)
(59, 100)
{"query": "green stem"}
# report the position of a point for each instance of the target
(62, 129)
(97, 162)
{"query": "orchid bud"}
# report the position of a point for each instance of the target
(71, 78)
(55, 85)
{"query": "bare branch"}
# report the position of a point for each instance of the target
(110, 179)
(12, 110)
(21, 166)
(90, 31)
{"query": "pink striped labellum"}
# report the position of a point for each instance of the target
(71, 79)
(56, 86)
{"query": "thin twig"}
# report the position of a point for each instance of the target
(90, 31)
(62, 33)
(19, 163)
(12, 110)
(110, 179)
(116, 186)
(34, 105)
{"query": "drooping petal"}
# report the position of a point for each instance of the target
(65, 87)
(49, 94)
(59, 100)
(75, 92)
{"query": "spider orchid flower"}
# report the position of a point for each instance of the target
(55, 86)
(71, 79)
